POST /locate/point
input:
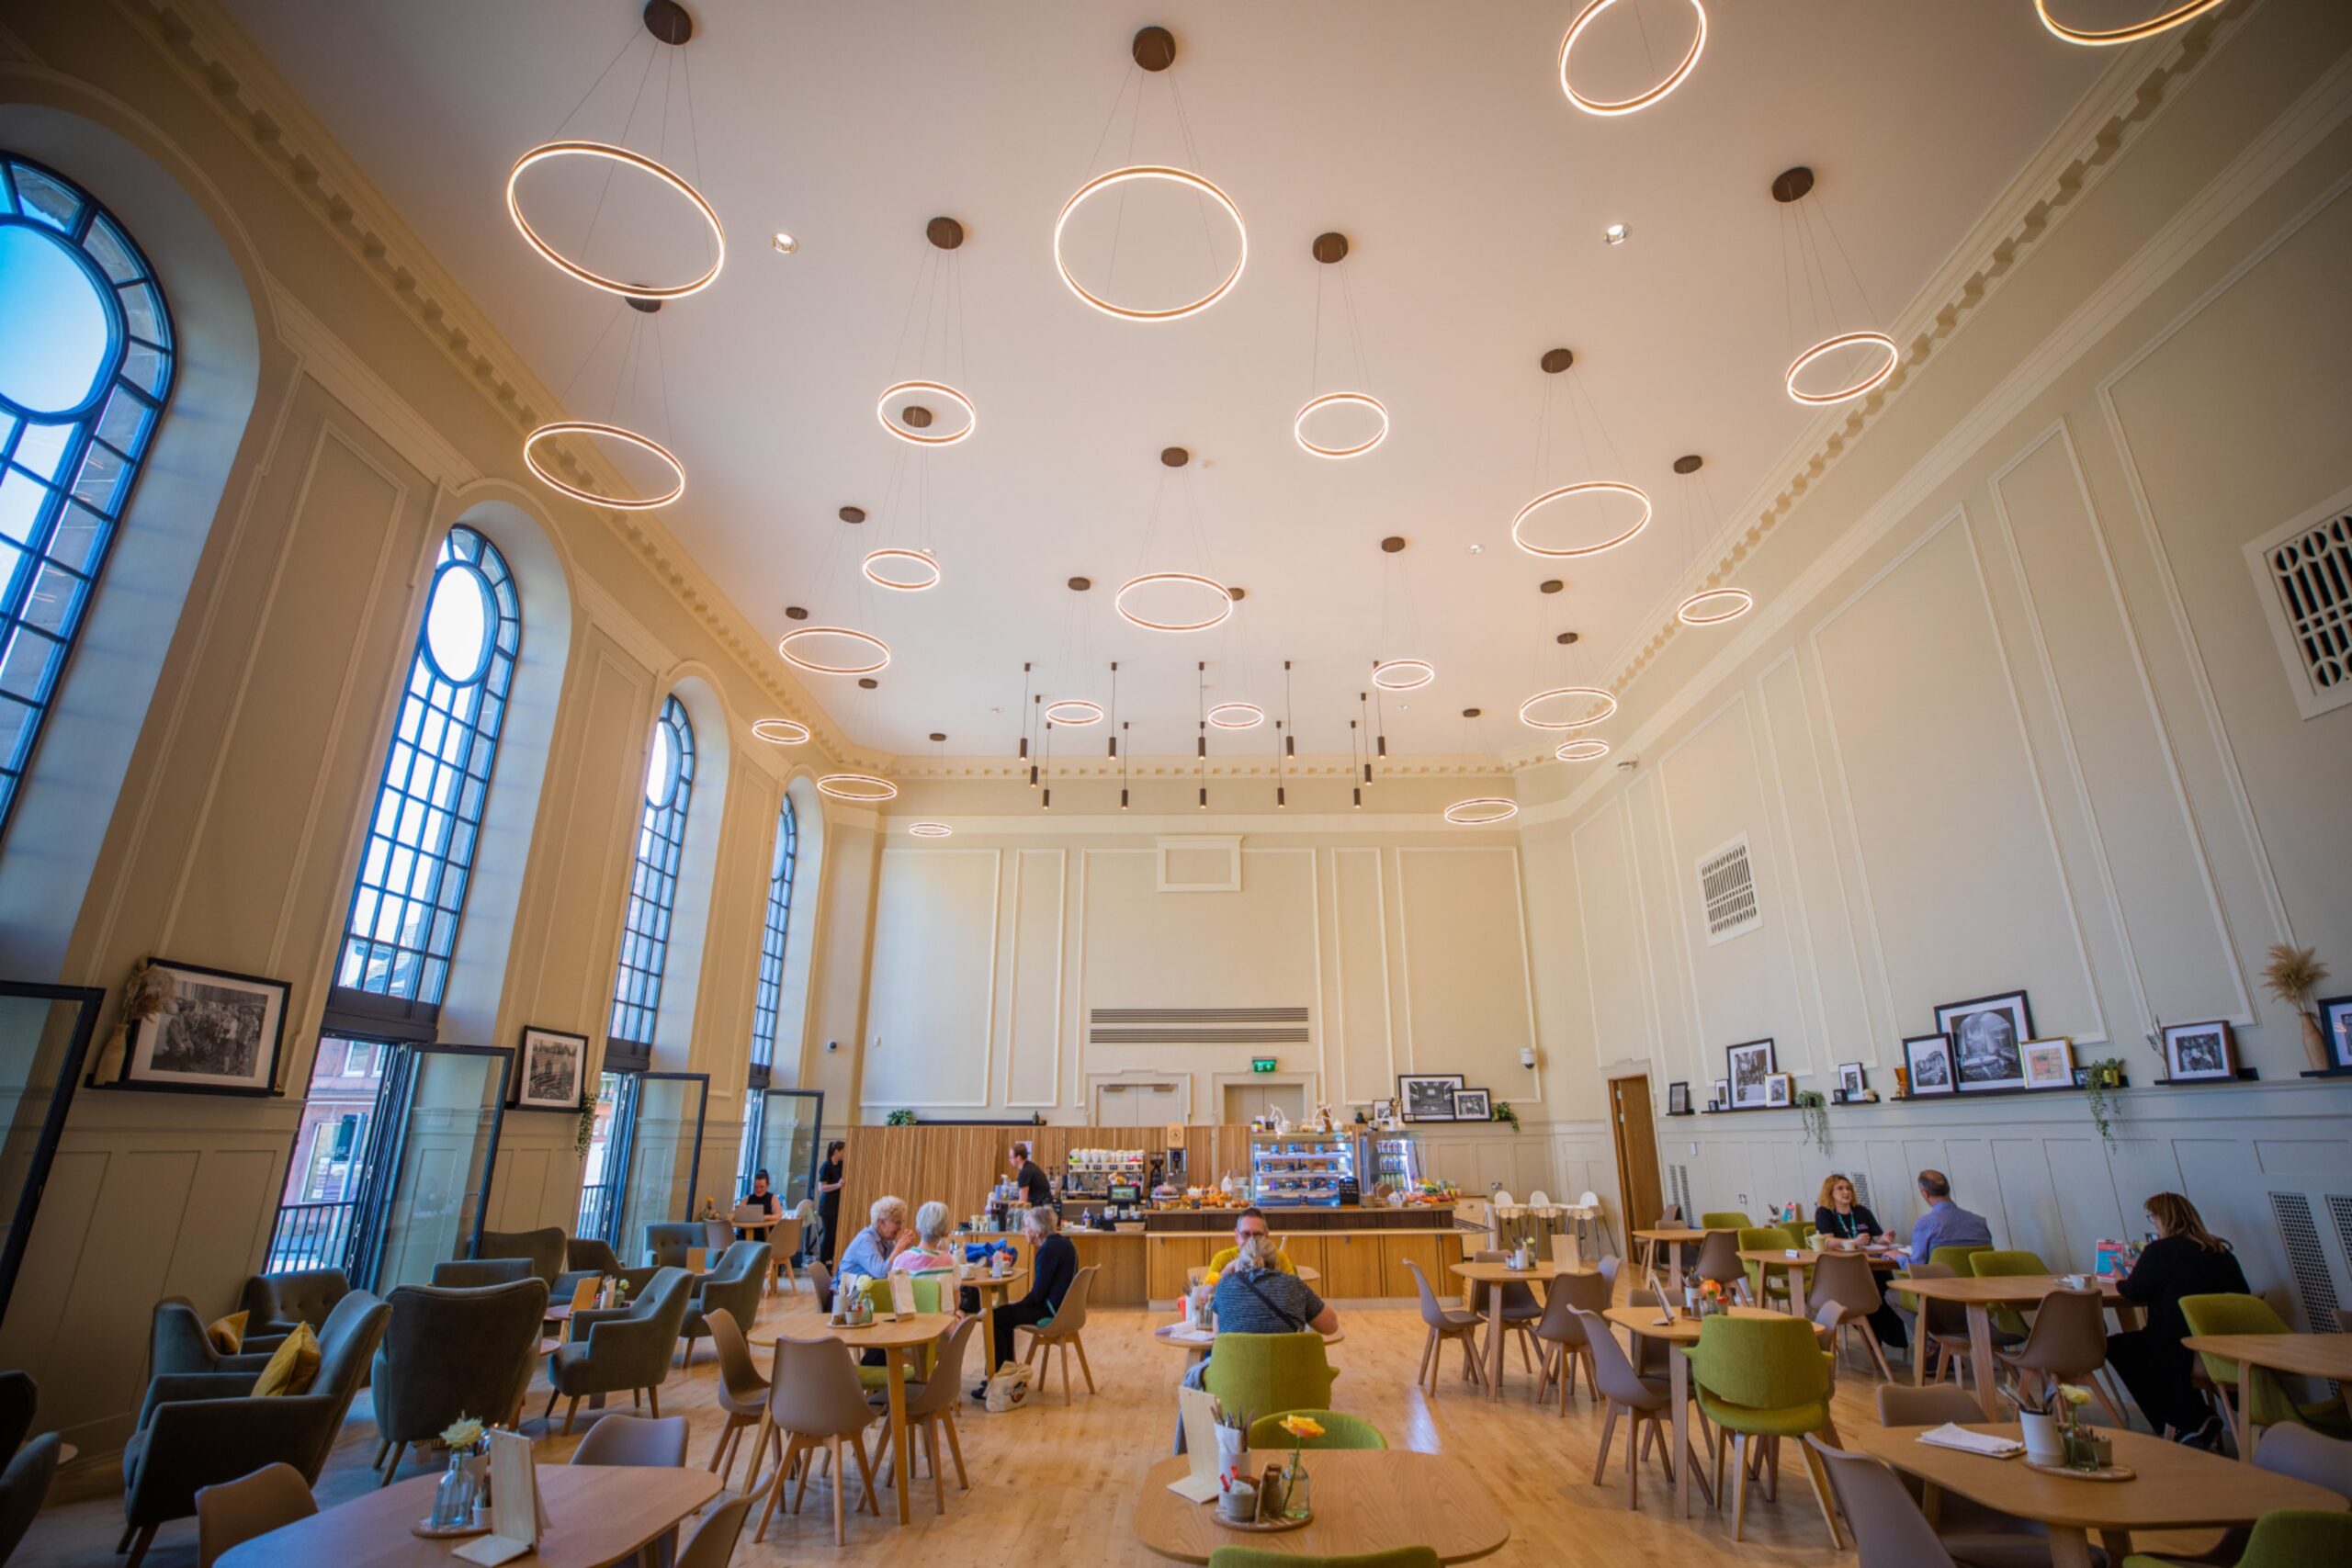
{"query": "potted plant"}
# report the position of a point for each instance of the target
(900, 1118)
(1814, 1109)
(2292, 976)
(1503, 1112)
(2101, 1078)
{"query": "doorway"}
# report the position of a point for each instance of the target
(1246, 1101)
(781, 1127)
(1138, 1102)
(1637, 1134)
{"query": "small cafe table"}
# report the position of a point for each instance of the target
(2175, 1487)
(899, 1340)
(1492, 1274)
(589, 1522)
(1365, 1500)
(1664, 1236)
(1642, 1322)
(995, 1289)
(2304, 1355)
(1980, 1296)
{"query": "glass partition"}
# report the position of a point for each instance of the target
(790, 1121)
(44, 1036)
(424, 1203)
(661, 1159)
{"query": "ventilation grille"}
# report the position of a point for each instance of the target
(1197, 1026)
(1677, 1186)
(2300, 1237)
(2340, 1209)
(1727, 890)
(2312, 574)
(1861, 1190)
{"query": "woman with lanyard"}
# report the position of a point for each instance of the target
(1842, 1215)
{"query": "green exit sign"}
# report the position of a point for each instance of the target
(1264, 1065)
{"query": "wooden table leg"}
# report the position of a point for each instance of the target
(2071, 1547)
(1494, 1342)
(898, 1369)
(1988, 1388)
(1679, 1377)
(988, 1328)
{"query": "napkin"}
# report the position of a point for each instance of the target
(1185, 1333)
(1952, 1435)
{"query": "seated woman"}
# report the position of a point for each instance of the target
(762, 1197)
(1841, 1216)
(1254, 1296)
(934, 1248)
(2185, 1259)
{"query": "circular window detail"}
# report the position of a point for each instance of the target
(60, 325)
(459, 618)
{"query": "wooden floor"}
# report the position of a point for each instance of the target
(1053, 1485)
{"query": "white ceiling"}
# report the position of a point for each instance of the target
(1435, 136)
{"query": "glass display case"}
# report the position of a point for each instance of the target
(1302, 1169)
(1390, 1156)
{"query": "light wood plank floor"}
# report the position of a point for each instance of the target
(1054, 1485)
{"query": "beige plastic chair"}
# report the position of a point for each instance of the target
(1522, 1311)
(1561, 1332)
(1445, 1322)
(619, 1439)
(2067, 1343)
(1844, 1279)
(814, 1399)
(713, 1543)
(930, 1405)
(1061, 1332)
(236, 1511)
(1642, 1400)
(1889, 1530)
(1719, 1261)
(742, 1394)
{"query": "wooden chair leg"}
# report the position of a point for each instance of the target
(841, 1525)
(139, 1545)
(381, 1449)
(124, 1544)
(1607, 1431)
(1064, 1347)
(1078, 1341)
(872, 1503)
(399, 1452)
(554, 1393)
(1429, 1349)
(569, 1412)
(653, 1399)
(1738, 1484)
(1812, 1472)
(782, 1477)
(1633, 1461)
(1878, 1352)
(955, 1450)
(938, 1482)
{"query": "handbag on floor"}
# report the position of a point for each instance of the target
(1008, 1387)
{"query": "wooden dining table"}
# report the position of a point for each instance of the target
(589, 1522)
(2174, 1488)
(1495, 1274)
(994, 1290)
(1980, 1296)
(2325, 1356)
(1364, 1500)
(1642, 1322)
(1664, 1236)
(900, 1340)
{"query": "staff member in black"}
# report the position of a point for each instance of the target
(829, 1201)
(1036, 1189)
(1053, 1264)
(2185, 1259)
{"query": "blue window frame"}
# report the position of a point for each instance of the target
(768, 997)
(418, 862)
(85, 367)
(653, 887)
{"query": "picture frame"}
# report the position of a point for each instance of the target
(1853, 1079)
(222, 1033)
(1473, 1105)
(1749, 1063)
(1383, 1111)
(2336, 1027)
(1986, 1034)
(1779, 1090)
(549, 1067)
(1927, 1058)
(2049, 1064)
(1678, 1099)
(1722, 1094)
(2201, 1053)
(1427, 1096)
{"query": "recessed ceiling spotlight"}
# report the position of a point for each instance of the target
(784, 244)
(1615, 234)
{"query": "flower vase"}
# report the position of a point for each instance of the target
(2045, 1441)
(1298, 1497)
(2315, 1044)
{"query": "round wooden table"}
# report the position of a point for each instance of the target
(2304, 1355)
(1643, 1324)
(1364, 1500)
(590, 1522)
(994, 1290)
(1664, 1236)
(1504, 1274)
(1980, 1296)
(899, 1340)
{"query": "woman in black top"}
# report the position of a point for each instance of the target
(760, 1197)
(2185, 1259)
(1837, 1213)
(1053, 1264)
(829, 1201)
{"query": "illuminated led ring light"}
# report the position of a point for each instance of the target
(930, 830)
(1236, 715)
(881, 649)
(623, 156)
(1073, 713)
(1590, 487)
(613, 433)
(1594, 692)
(780, 731)
(1581, 750)
(1590, 15)
(2189, 10)
(862, 787)
(1173, 177)
(1223, 608)
(1831, 345)
(1402, 674)
(1348, 401)
(1714, 606)
(937, 389)
(1482, 811)
(914, 562)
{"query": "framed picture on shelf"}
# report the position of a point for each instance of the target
(219, 1034)
(1428, 1096)
(1722, 1093)
(2336, 1027)
(1473, 1105)
(1851, 1078)
(1927, 1058)
(1751, 1062)
(550, 1072)
(2201, 1053)
(1987, 1033)
(1383, 1111)
(2049, 1064)
(1678, 1099)
(1779, 1090)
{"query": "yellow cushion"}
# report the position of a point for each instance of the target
(1282, 1261)
(292, 1365)
(227, 1334)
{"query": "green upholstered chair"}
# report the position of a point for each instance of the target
(1340, 1430)
(2290, 1537)
(1760, 1281)
(1764, 1378)
(927, 1297)
(1956, 1258)
(2260, 1400)
(1990, 1263)
(1724, 1220)
(1263, 1374)
(1394, 1557)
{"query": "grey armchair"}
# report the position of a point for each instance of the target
(199, 1428)
(733, 1287)
(274, 1303)
(19, 1397)
(543, 1247)
(452, 1352)
(590, 1258)
(621, 1348)
(176, 1343)
(472, 1273)
(23, 1487)
(667, 1244)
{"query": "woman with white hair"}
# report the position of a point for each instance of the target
(934, 1248)
(869, 1253)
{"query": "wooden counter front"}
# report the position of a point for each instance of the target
(1118, 1259)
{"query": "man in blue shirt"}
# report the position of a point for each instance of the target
(1945, 1223)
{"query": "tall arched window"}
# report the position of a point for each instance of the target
(768, 995)
(652, 889)
(411, 890)
(85, 364)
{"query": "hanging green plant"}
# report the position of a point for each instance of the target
(1503, 1112)
(900, 1118)
(2100, 1079)
(586, 1131)
(1814, 1106)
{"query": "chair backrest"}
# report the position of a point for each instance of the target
(620, 1439)
(741, 1260)
(713, 1543)
(1588, 1199)
(813, 1389)
(667, 1242)
(1501, 1199)
(1259, 1374)
(2264, 1402)
(926, 1287)
(664, 1298)
(1770, 1362)
(347, 1341)
(2068, 1339)
(543, 1247)
(1903, 1404)
(2296, 1537)
(1609, 1267)
(1992, 1262)
(592, 1252)
(1670, 1217)
(1432, 1311)
(1956, 1258)
(2292, 1448)
(19, 1397)
(1941, 1317)
(1612, 1373)
(1340, 1430)
(1562, 1297)
(1719, 1258)
(820, 1278)
(717, 1235)
(1539, 1199)
(1070, 1315)
(24, 1485)
(1889, 1530)
(451, 1352)
(233, 1512)
(1766, 1238)
(1724, 1220)
(1845, 1280)
(738, 1372)
(942, 1385)
(295, 1295)
(471, 1273)
(1394, 1557)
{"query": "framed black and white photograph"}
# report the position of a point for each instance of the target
(1751, 1062)
(1927, 1058)
(2049, 1064)
(1678, 1099)
(1383, 1111)
(549, 1074)
(1473, 1105)
(1987, 1033)
(2335, 1026)
(1852, 1079)
(1722, 1093)
(1428, 1096)
(1779, 1090)
(220, 1033)
(2199, 1053)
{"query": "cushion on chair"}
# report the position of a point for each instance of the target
(228, 1334)
(291, 1366)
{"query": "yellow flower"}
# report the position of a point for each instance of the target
(2075, 1396)
(463, 1433)
(1302, 1427)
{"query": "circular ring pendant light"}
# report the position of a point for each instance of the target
(1073, 713)
(1402, 674)
(1152, 172)
(785, 646)
(1345, 401)
(1590, 693)
(1585, 751)
(1714, 606)
(2095, 38)
(553, 480)
(1589, 487)
(1591, 14)
(1481, 811)
(915, 571)
(626, 288)
(1236, 715)
(865, 788)
(930, 830)
(914, 434)
(780, 731)
(1174, 578)
(1859, 385)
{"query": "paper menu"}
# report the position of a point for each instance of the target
(515, 1518)
(902, 1294)
(1196, 1408)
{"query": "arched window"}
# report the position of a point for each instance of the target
(85, 364)
(411, 890)
(652, 889)
(768, 995)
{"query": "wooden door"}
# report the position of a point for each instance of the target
(1637, 1183)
